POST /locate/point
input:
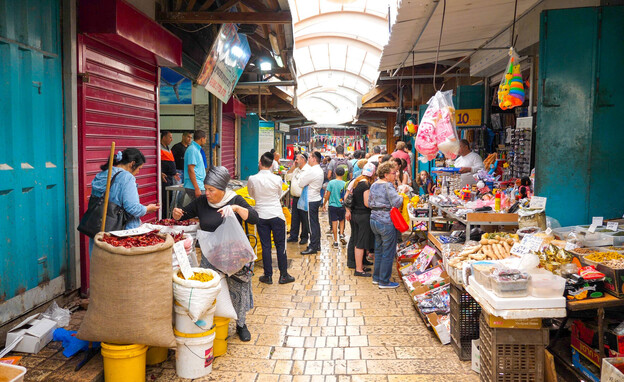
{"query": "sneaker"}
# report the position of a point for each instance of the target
(375, 282)
(390, 285)
(286, 278)
(335, 244)
(266, 279)
(343, 240)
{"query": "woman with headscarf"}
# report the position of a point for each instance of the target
(210, 210)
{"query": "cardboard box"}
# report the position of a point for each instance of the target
(588, 333)
(522, 323)
(614, 280)
(420, 288)
(440, 329)
(476, 356)
(609, 372)
(36, 331)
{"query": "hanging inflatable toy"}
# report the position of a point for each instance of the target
(511, 88)
(411, 127)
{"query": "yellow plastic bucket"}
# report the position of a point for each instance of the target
(220, 343)
(124, 363)
(156, 355)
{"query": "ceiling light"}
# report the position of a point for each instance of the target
(266, 66)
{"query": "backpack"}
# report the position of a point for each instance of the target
(344, 163)
(346, 196)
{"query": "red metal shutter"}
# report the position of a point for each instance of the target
(228, 151)
(117, 101)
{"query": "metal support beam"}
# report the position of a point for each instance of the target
(278, 17)
(424, 76)
(265, 83)
(457, 50)
(433, 8)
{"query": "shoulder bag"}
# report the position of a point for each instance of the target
(91, 221)
(397, 218)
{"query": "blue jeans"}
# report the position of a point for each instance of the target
(385, 250)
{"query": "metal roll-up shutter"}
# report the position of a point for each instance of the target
(228, 137)
(117, 101)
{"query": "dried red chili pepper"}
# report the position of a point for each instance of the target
(145, 240)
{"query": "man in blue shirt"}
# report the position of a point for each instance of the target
(194, 167)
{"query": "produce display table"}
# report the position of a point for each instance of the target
(475, 218)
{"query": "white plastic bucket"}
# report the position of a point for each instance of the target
(12, 373)
(185, 324)
(195, 354)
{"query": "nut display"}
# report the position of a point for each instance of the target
(615, 264)
(584, 251)
(600, 257)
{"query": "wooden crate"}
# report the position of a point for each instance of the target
(512, 355)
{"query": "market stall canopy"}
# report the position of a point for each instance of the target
(338, 44)
(468, 26)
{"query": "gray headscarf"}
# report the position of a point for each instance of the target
(218, 177)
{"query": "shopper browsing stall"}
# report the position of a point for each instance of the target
(359, 216)
(266, 189)
(211, 209)
(299, 216)
(468, 162)
(123, 189)
(312, 178)
(382, 197)
(194, 166)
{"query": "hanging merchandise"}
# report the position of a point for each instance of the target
(511, 88)
(437, 131)
(410, 126)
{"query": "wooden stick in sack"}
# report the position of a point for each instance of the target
(108, 183)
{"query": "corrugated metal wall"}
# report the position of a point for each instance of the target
(33, 231)
(117, 101)
(228, 135)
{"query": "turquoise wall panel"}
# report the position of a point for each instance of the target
(249, 145)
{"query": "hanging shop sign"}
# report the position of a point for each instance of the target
(225, 63)
(468, 117)
(283, 127)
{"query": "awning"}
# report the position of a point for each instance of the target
(468, 25)
(125, 28)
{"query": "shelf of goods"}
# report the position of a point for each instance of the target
(476, 218)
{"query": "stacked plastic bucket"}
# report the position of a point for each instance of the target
(195, 304)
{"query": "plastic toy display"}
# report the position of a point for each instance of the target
(511, 88)
(436, 131)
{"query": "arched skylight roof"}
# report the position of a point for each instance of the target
(338, 44)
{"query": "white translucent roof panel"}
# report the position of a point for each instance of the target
(338, 46)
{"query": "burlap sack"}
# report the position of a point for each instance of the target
(131, 295)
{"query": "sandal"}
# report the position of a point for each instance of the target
(362, 274)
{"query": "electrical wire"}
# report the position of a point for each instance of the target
(435, 68)
(191, 31)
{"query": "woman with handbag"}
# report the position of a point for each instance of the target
(382, 198)
(359, 216)
(123, 191)
(212, 209)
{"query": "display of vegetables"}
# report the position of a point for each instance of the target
(173, 222)
(600, 257)
(145, 240)
(203, 277)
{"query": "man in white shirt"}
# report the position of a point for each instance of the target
(468, 162)
(313, 179)
(275, 167)
(299, 217)
(266, 189)
(376, 155)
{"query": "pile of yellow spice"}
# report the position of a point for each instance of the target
(203, 277)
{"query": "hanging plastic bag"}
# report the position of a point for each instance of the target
(225, 308)
(446, 133)
(227, 248)
(511, 88)
(436, 131)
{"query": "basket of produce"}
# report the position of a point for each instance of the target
(131, 298)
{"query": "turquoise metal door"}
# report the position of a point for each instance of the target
(33, 254)
(579, 135)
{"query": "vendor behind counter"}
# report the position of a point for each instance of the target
(468, 162)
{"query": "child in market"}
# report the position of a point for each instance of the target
(334, 194)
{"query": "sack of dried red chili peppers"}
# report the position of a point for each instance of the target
(177, 225)
(131, 298)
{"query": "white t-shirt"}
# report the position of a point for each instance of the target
(374, 158)
(472, 160)
(266, 189)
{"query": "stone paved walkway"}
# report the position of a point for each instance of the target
(326, 326)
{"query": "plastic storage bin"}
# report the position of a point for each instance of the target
(546, 285)
(510, 288)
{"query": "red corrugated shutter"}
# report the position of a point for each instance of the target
(117, 101)
(228, 151)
